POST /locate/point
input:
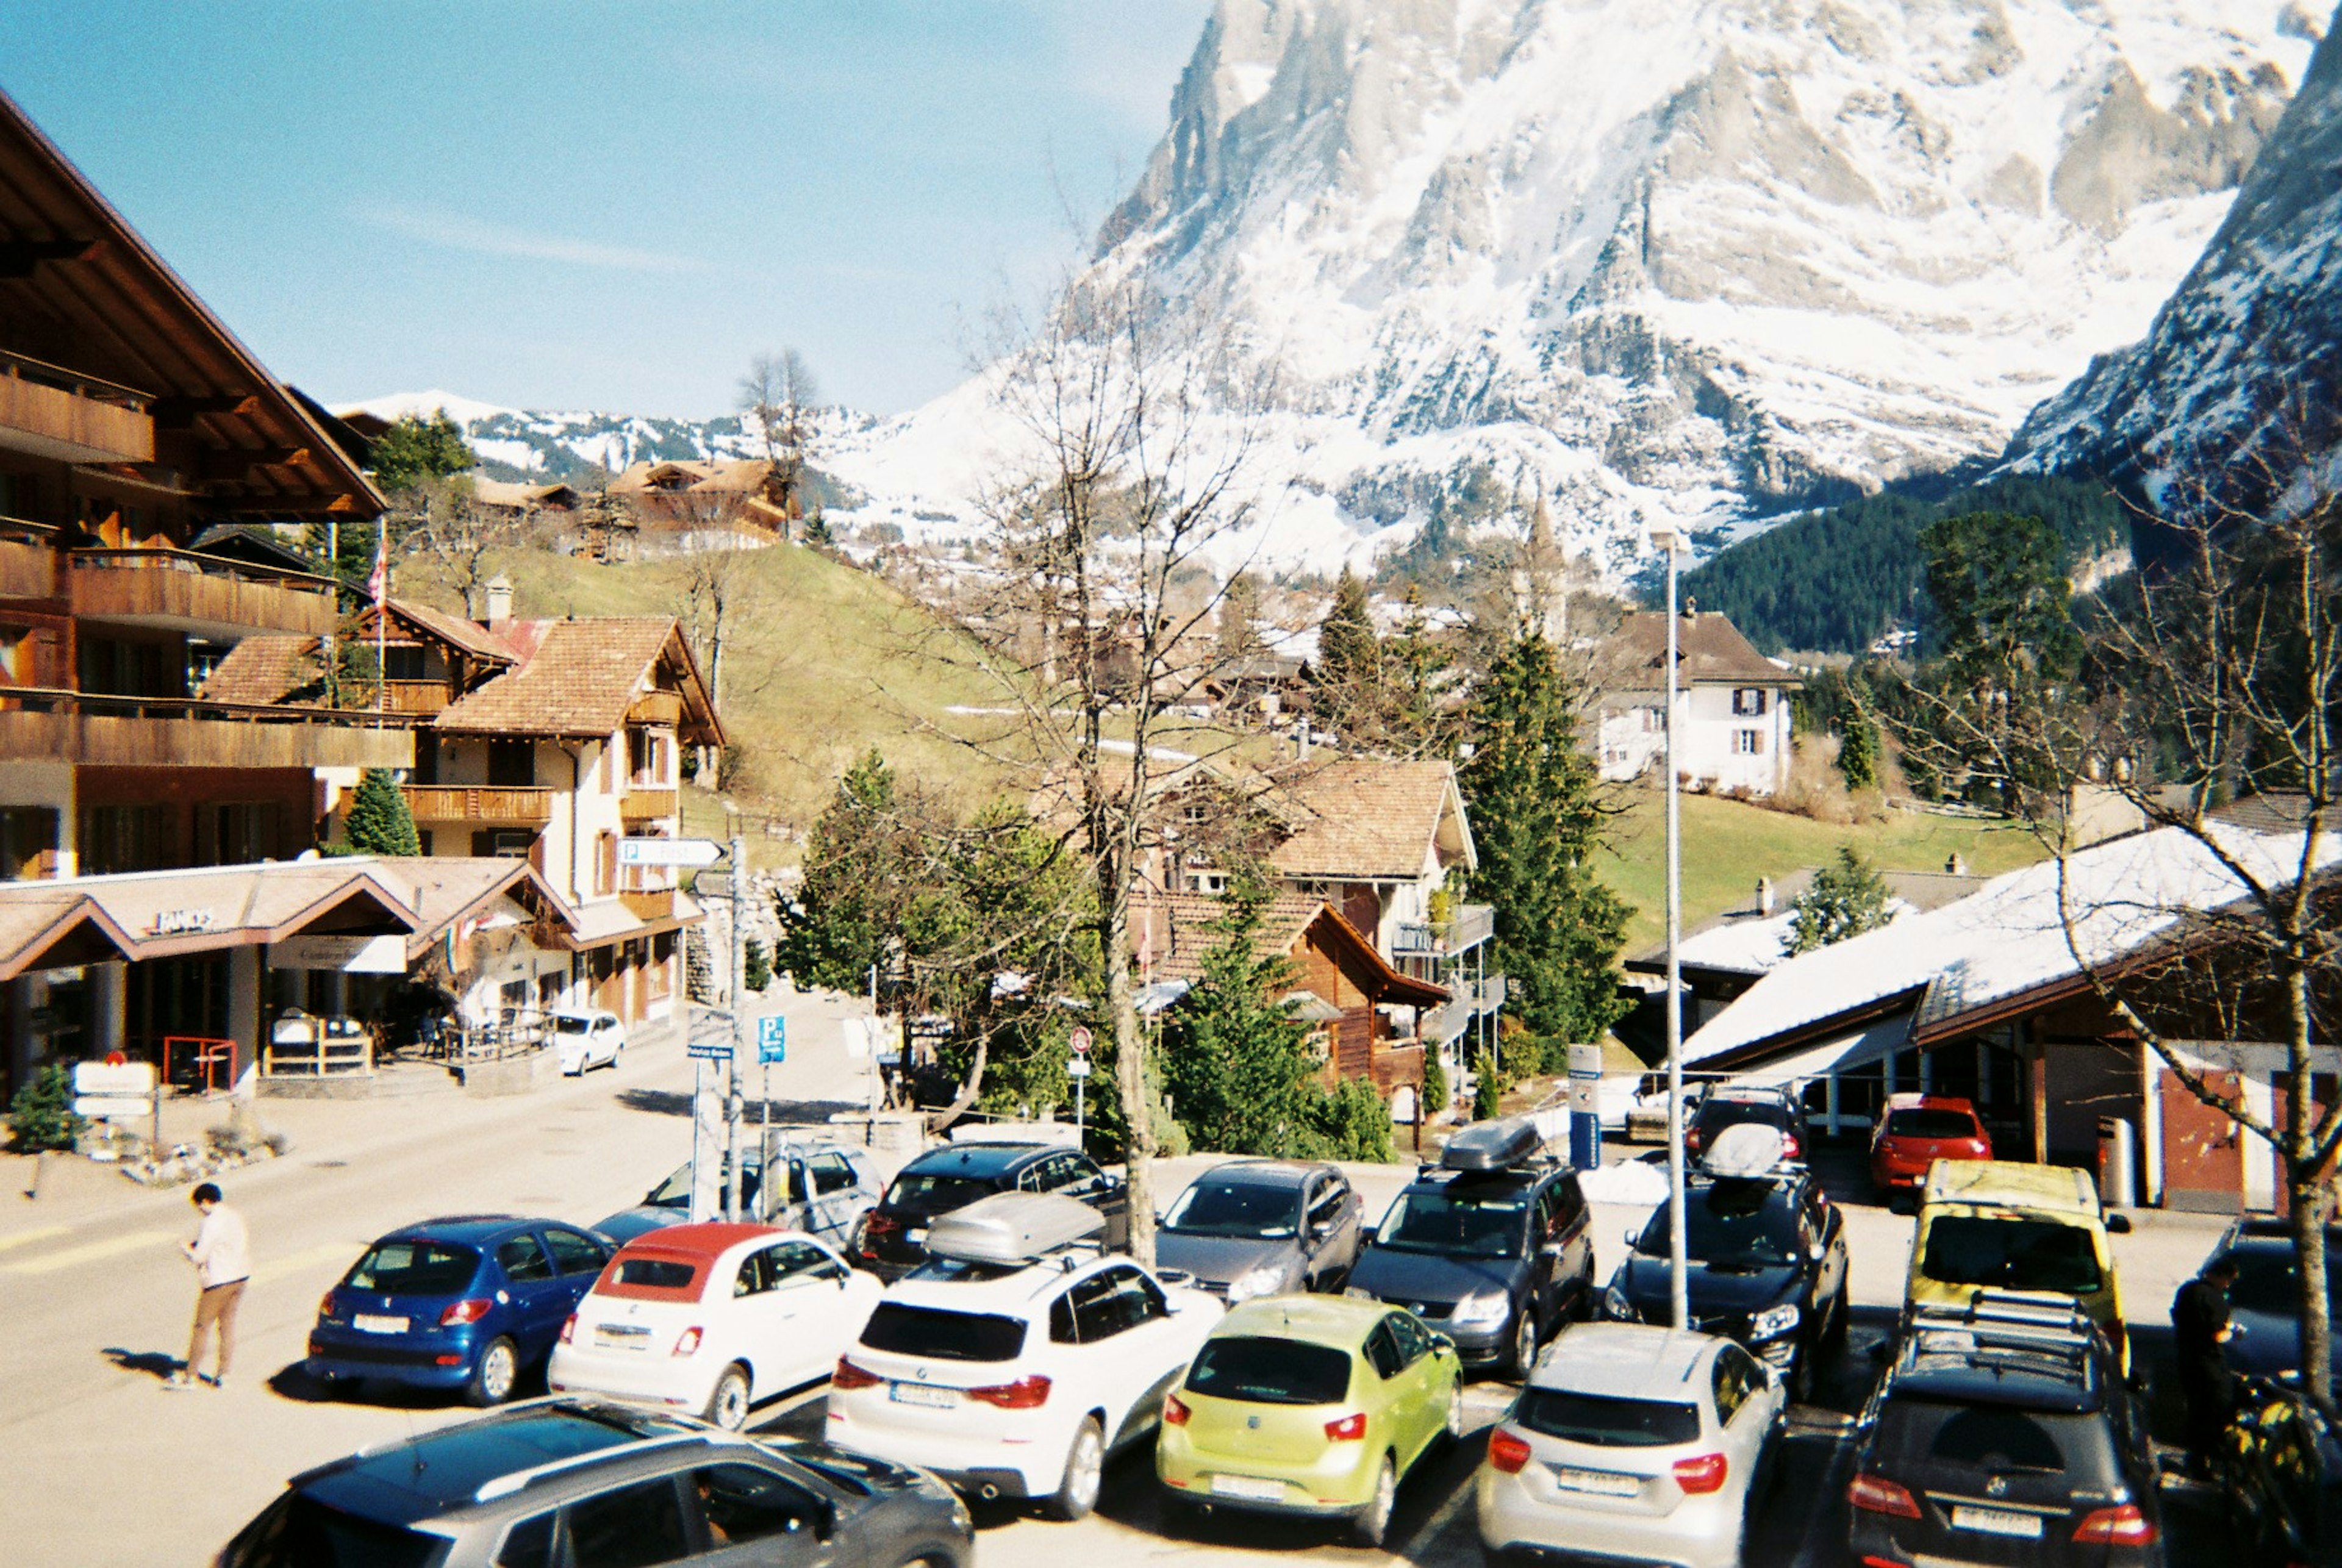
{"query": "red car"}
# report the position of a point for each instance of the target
(1920, 1129)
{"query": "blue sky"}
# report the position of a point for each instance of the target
(582, 204)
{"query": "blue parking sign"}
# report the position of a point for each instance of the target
(772, 1039)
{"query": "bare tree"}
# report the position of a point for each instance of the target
(717, 587)
(779, 395)
(442, 525)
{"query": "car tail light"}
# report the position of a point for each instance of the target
(1702, 1474)
(1029, 1393)
(1876, 1495)
(850, 1377)
(326, 1307)
(1349, 1428)
(2122, 1525)
(1175, 1412)
(1507, 1453)
(1691, 1139)
(1789, 1145)
(1884, 1563)
(687, 1342)
(569, 1329)
(469, 1311)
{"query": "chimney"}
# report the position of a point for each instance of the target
(497, 600)
(1954, 865)
(1764, 896)
(1690, 608)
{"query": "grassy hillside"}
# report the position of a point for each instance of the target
(1728, 845)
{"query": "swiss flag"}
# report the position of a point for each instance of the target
(379, 583)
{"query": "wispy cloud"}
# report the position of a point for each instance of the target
(483, 236)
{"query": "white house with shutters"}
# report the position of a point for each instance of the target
(1732, 705)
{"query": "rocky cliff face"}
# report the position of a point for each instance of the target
(2235, 385)
(1698, 258)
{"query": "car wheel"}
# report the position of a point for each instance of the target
(728, 1407)
(1801, 1378)
(1525, 1341)
(1373, 1522)
(1077, 1494)
(1453, 1432)
(1589, 1298)
(494, 1375)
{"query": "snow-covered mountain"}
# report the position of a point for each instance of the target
(2239, 365)
(1697, 258)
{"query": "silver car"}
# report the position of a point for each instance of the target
(1633, 1442)
(827, 1188)
(1262, 1228)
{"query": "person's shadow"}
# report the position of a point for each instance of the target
(153, 1362)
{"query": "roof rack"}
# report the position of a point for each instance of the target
(1015, 1228)
(1489, 1146)
(2011, 1319)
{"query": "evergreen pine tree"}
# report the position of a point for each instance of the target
(1537, 824)
(416, 450)
(1488, 1091)
(1857, 751)
(379, 822)
(1347, 673)
(1415, 667)
(1845, 900)
(1237, 1065)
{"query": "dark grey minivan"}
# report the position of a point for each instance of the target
(1262, 1228)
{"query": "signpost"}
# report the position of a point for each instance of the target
(701, 1051)
(688, 851)
(1585, 1106)
(120, 1092)
(772, 1045)
(1079, 1070)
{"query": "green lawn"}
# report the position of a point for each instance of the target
(1728, 845)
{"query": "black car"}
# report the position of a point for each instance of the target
(575, 1482)
(1492, 1246)
(2003, 1432)
(1731, 1105)
(2282, 1478)
(2265, 1303)
(1767, 1267)
(1263, 1228)
(891, 1240)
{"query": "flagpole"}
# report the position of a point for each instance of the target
(381, 606)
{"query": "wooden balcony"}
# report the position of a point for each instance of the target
(51, 412)
(28, 563)
(645, 804)
(657, 708)
(183, 589)
(183, 732)
(432, 804)
(649, 906)
(421, 698)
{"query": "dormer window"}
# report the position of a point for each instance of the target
(1748, 702)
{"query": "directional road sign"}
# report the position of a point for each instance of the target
(711, 1050)
(772, 1039)
(669, 852)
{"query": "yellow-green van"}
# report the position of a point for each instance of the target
(2002, 1226)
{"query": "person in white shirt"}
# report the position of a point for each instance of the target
(222, 1256)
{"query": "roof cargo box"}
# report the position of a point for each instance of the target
(1492, 1145)
(1013, 1228)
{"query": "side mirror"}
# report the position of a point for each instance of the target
(2117, 1225)
(1441, 1341)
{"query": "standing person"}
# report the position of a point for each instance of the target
(2201, 1327)
(223, 1261)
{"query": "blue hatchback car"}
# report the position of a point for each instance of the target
(468, 1302)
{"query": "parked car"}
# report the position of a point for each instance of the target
(587, 1038)
(576, 1481)
(2282, 1477)
(1263, 1228)
(826, 1188)
(1312, 1405)
(1918, 1130)
(1630, 1442)
(1768, 1260)
(891, 1240)
(2265, 1303)
(470, 1302)
(712, 1319)
(2003, 1432)
(1724, 1106)
(2001, 1225)
(1491, 1247)
(1014, 1362)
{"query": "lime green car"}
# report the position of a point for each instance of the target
(1310, 1404)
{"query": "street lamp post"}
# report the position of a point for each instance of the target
(1665, 536)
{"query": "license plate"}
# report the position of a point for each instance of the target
(920, 1393)
(1603, 1482)
(1250, 1486)
(374, 1322)
(619, 1336)
(1996, 1521)
(917, 1238)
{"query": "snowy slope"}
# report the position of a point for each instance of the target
(1693, 258)
(2236, 377)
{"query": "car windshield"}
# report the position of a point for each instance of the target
(2269, 1281)
(1730, 1224)
(1930, 1124)
(1248, 1210)
(570, 1024)
(1606, 1422)
(656, 1274)
(1260, 1370)
(1717, 1113)
(675, 1193)
(2011, 1254)
(414, 1269)
(299, 1532)
(936, 1194)
(943, 1336)
(1915, 1433)
(1457, 1220)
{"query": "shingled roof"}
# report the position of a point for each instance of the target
(1362, 820)
(263, 671)
(1180, 926)
(1710, 647)
(469, 636)
(579, 678)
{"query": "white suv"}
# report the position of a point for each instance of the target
(1017, 1359)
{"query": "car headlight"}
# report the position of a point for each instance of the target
(1774, 1322)
(1262, 1279)
(1481, 1309)
(1617, 1308)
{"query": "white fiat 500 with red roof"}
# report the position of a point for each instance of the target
(712, 1319)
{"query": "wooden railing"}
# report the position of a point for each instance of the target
(102, 730)
(28, 566)
(90, 418)
(423, 698)
(656, 905)
(657, 708)
(40, 372)
(472, 803)
(185, 585)
(647, 804)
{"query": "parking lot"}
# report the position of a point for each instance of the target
(106, 1469)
